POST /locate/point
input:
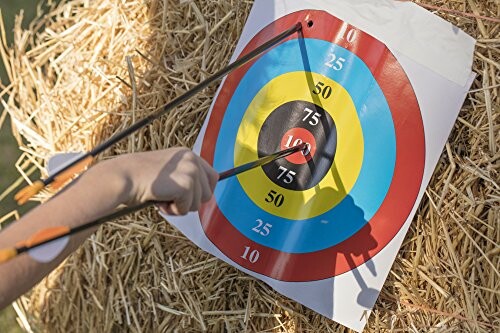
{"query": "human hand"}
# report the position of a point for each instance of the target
(177, 177)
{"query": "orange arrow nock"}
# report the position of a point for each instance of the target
(28, 192)
(57, 182)
(7, 254)
(44, 236)
(65, 176)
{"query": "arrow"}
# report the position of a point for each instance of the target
(78, 165)
(61, 233)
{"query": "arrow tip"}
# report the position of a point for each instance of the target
(28, 192)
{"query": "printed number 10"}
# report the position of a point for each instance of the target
(251, 256)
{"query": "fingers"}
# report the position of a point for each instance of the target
(187, 195)
(170, 209)
(174, 210)
(212, 175)
(207, 184)
(197, 193)
(165, 208)
(186, 183)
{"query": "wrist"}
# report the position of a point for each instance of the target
(113, 176)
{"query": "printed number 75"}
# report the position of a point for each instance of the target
(287, 176)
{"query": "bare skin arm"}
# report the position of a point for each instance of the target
(173, 175)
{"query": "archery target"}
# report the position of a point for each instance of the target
(343, 93)
(270, 125)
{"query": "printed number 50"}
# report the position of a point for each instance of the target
(276, 198)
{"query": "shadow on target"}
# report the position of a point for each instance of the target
(367, 296)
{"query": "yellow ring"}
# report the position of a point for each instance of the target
(348, 158)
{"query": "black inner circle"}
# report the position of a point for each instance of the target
(312, 118)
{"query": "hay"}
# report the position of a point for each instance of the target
(89, 68)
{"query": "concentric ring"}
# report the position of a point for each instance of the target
(385, 218)
(288, 125)
(305, 207)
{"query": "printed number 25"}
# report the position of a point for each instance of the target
(262, 228)
(334, 62)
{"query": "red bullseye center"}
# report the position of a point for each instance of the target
(295, 137)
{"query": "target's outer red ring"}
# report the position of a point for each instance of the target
(408, 172)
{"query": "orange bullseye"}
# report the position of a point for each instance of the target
(294, 137)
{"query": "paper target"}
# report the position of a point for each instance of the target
(343, 93)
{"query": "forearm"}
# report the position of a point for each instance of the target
(97, 193)
(176, 177)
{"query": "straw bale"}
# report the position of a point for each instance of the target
(87, 69)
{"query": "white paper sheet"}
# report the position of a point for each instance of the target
(437, 58)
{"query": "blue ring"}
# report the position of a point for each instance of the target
(359, 206)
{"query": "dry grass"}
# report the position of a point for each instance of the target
(73, 85)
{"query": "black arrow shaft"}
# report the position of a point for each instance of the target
(223, 175)
(179, 100)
